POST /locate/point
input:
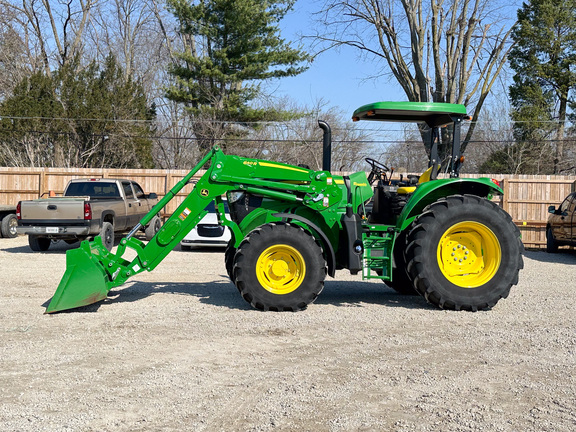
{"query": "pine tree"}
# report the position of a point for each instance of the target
(77, 117)
(231, 47)
(543, 59)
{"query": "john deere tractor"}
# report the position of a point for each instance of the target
(440, 238)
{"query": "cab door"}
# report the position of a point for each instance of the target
(132, 205)
(561, 222)
(572, 218)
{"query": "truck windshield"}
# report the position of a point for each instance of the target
(93, 190)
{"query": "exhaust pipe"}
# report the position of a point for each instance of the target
(326, 145)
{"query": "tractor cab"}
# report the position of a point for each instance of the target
(390, 195)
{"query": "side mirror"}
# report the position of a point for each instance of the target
(152, 195)
(552, 209)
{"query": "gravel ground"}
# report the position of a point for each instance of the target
(178, 349)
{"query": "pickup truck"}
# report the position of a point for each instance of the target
(88, 208)
(8, 222)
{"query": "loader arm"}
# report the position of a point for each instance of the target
(91, 271)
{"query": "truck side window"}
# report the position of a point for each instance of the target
(566, 204)
(138, 190)
(127, 190)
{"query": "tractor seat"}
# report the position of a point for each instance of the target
(404, 190)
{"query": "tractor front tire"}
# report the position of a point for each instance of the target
(229, 255)
(464, 253)
(279, 267)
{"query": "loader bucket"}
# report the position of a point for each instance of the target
(85, 280)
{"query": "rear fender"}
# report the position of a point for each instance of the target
(431, 191)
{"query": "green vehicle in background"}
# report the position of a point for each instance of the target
(291, 226)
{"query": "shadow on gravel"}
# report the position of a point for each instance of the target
(56, 247)
(358, 293)
(563, 256)
(225, 294)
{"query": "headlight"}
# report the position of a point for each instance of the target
(234, 196)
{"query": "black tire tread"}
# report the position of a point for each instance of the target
(263, 235)
(418, 236)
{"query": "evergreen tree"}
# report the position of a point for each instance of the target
(543, 59)
(77, 117)
(231, 47)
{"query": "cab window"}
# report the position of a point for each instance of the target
(127, 190)
(138, 191)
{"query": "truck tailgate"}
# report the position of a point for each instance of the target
(53, 209)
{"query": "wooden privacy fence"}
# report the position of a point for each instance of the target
(526, 198)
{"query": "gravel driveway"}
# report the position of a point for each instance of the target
(178, 349)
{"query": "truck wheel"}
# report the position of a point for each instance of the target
(153, 227)
(107, 234)
(551, 245)
(279, 267)
(464, 253)
(9, 224)
(39, 244)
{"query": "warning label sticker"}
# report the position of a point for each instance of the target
(184, 214)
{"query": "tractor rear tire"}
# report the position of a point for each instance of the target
(279, 267)
(464, 253)
(39, 244)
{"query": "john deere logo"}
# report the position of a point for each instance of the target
(204, 192)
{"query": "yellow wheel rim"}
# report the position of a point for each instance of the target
(280, 269)
(469, 254)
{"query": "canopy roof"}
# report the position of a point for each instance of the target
(432, 113)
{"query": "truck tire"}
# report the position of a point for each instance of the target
(464, 253)
(152, 228)
(9, 224)
(551, 245)
(279, 267)
(107, 234)
(39, 244)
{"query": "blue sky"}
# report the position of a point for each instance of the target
(337, 77)
(340, 77)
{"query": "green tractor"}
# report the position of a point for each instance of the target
(291, 226)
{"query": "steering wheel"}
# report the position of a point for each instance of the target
(377, 169)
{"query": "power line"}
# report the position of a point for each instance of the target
(107, 135)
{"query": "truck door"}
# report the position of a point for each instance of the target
(132, 204)
(572, 218)
(145, 205)
(563, 219)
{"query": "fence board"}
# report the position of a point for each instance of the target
(526, 197)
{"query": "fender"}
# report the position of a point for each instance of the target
(331, 256)
(431, 191)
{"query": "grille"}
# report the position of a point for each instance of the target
(206, 230)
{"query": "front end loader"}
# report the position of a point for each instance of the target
(292, 226)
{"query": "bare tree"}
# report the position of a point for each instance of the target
(53, 30)
(436, 50)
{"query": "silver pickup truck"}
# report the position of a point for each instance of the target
(89, 207)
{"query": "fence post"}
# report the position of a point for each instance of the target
(41, 182)
(505, 186)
